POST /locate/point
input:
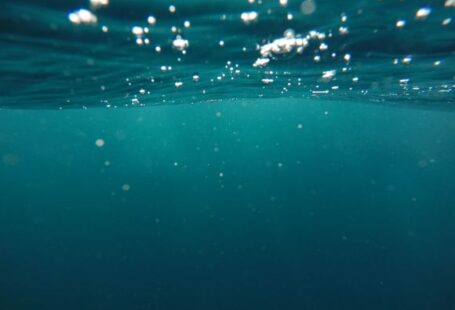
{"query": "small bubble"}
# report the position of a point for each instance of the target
(407, 60)
(99, 143)
(308, 7)
(151, 20)
(423, 13)
(400, 23)
(249, 17)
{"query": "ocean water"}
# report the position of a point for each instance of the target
(227, 154)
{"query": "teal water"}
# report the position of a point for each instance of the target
(121, 188)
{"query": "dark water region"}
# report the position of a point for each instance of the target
(266, 204)
(227, 155)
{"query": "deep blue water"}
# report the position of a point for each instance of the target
(309, 183)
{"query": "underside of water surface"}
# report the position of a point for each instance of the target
(134, 53)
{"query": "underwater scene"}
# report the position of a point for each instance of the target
(227, 154)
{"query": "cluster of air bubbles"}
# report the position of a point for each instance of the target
(85, 16)
(249, 17)
(140, 34)
(324, 47)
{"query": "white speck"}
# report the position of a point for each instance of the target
(328, 75)
(267, 81)
(196, 78)
(99, 143)
(95, 4)
(187, 24)
(151, 20)
(400, 23)
(138, 31)
(449, 3)
(178, 84)
(180, 44)
(347, 57)
(407, 60)
(283, 2)
(221, 43)
(404, 81)
(343, 30)
(126, 187)
(320, 92)
(423, 13)
(261, 62)
(323, 46)
(446, 21)
(83, 16)
(249, 17)
(172, 9)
